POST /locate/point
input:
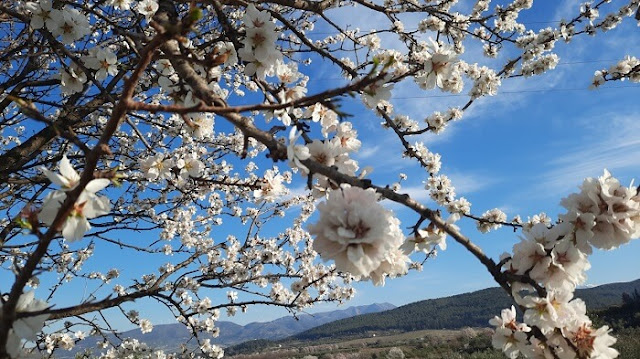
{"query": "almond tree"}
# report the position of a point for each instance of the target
(144, 126)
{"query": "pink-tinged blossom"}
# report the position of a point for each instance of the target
(591, 342)
(394, 265)
(190, 167)
(147, 8)
(287, 72)
(201, 126)
(424, 240)
(492, 219)
(120, 4)
(146, 326)
(271, 187)
(355, 231)
(510, 336)
(567, 268)
(437, 66)
(581, 229)
(157, 167)
(68, 178)
(327, 118)
(72, 80)
(540, 312)
(530, 255)
(226, 53)
(604, 213)
(86, 207)
(323, 152)
(376, 94)
(104, 61)
(259, 43)
(69, 23)
(346, 138)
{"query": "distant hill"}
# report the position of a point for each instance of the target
(464, 310)
(170, 336)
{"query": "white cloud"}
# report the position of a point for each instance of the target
(467, 183)
(613, 144)
(567, 9)
(368, 152)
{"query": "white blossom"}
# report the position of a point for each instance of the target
(355, 231)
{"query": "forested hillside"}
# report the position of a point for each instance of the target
(463, 310)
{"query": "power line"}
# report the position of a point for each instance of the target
(559, 64)
(520, 91)
(415, 28)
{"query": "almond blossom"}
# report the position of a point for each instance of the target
(40, 14)
(105, 62)
(147, 8)
(271, 187)
(510, 336)
(259, 43)
(69, 23)
(327, 118)
(355, 231)
(113, 81)
(591, 342)
(87, 206)
(121, 4)
(72, 80)
(296, 153)
(437, 65)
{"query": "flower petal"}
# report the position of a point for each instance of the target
(75, 227)
(96, 206)
(50, 206)
(55, 178)
(97, 185)
(68, 172)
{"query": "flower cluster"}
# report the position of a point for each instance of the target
(604, 215)
(259, 43)
(627, 68)
(67, 23)
(271, 187)
(360, 235)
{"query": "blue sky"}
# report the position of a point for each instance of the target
(521, 151)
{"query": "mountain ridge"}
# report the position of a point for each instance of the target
(170, 336)
(472, 309)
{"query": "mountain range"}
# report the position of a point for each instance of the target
(472, 309)
(463, 310)
(170, 336)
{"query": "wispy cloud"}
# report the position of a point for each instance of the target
(467, 183)
(368, 152)
(567, 9)
(616, 146)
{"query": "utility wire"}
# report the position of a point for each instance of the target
(520, 91)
